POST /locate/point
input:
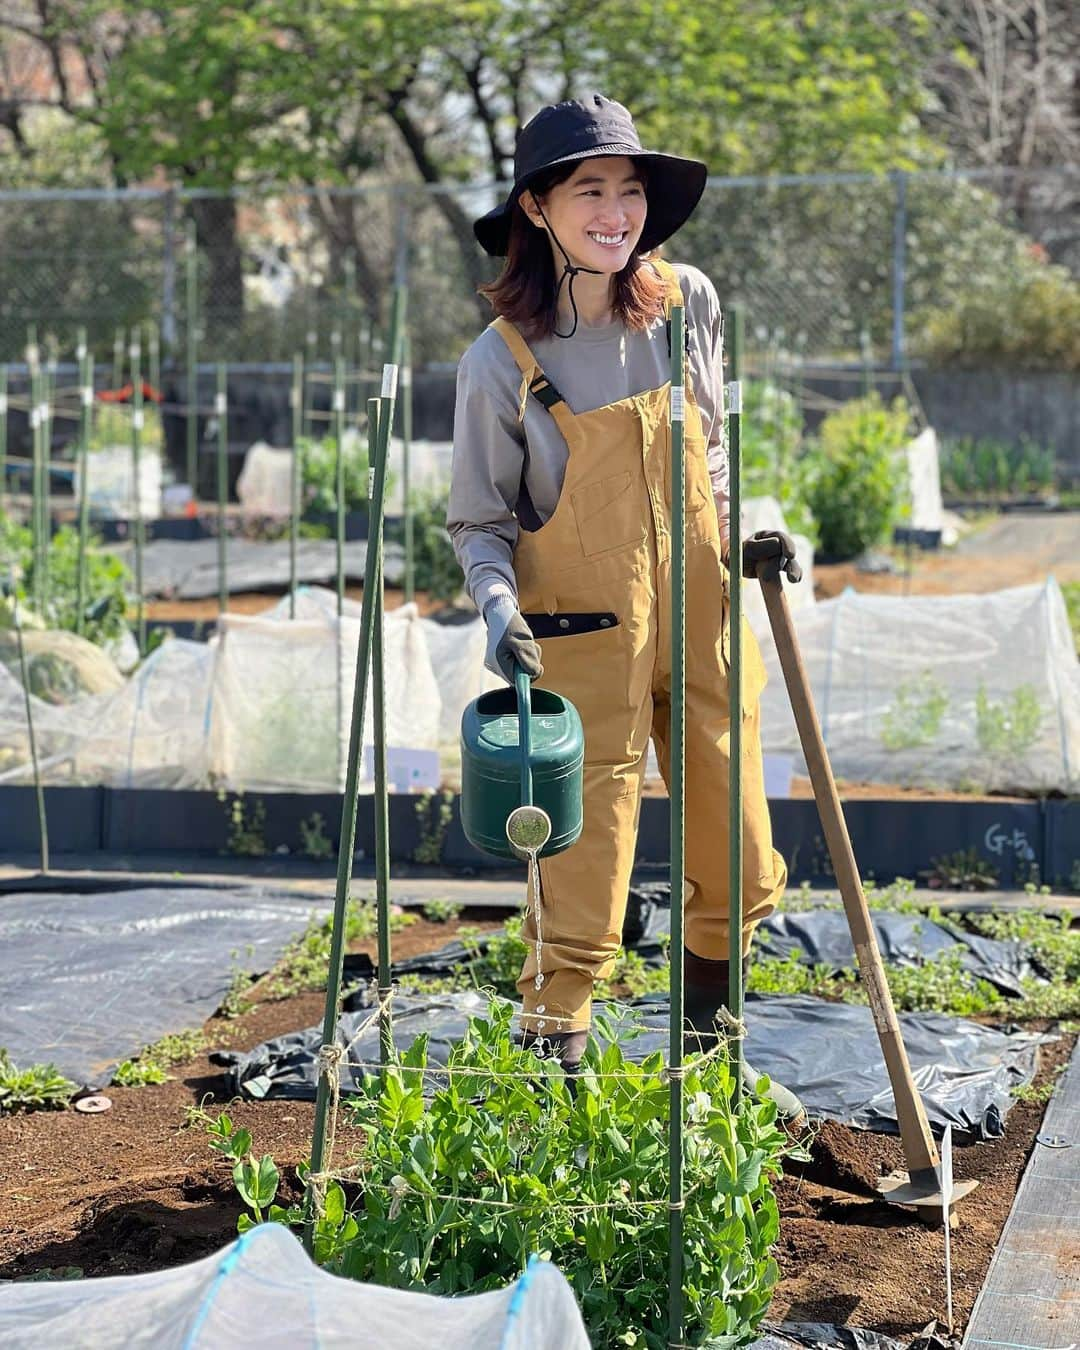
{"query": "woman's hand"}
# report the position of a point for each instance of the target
(510, 642)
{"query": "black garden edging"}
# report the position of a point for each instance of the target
(891, 838)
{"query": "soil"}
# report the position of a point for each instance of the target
(137, 1188)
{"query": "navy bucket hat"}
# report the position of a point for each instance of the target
(563, 133)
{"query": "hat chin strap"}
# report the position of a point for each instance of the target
(569, 270)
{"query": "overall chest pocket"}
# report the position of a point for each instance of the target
(608, 514)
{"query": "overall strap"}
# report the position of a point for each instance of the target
(533, 379)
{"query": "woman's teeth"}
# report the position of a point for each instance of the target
(609, 239)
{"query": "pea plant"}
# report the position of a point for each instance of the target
(452, 1192)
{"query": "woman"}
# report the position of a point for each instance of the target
(560, 512)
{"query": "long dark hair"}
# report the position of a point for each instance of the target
(524, 291)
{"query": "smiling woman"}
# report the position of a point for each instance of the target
(561, 517)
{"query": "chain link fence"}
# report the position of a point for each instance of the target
(828, 268)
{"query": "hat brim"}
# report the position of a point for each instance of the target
(673, 190)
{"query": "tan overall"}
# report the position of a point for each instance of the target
(607, 550)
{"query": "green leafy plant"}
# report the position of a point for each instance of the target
(150, 1065)
(315, 843)
(108, 581)
(319, 481)
(1009, 727)
(963, 870)
(235, 1002)
(915, 718)
(256, 1179)
(458, 1190)
(40, 1087)
(139, 1073)
(434, 813)
(981, 467)
(111, 427)
(304, 962)
(435, 565)
(247, 831)
(854, 475)
(442, 910)
(772, 453)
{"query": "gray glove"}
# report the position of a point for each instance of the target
(510, 642)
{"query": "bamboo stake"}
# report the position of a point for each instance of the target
(378, 410)
(138, 524)
(347, 836)
(86, 394)
(339, 479)
(676, 1200)
(192, 359)
(296, 403)
(221, 410)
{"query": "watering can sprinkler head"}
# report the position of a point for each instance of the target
(528, 828)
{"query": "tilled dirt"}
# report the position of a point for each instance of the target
(138, 1188)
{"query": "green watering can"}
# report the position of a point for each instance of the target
(522, 752)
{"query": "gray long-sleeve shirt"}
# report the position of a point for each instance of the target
(494, 452)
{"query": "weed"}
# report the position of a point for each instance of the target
(315, 844)
(247, 837)
(788, 975)
(434, 812)
(1038, 1096)
(41, 1087)
(442, 910)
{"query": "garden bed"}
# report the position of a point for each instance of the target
(138, 1188)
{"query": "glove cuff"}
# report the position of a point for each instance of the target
(500, 606)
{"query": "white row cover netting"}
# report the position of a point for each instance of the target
(263, 1289)
(967, 691)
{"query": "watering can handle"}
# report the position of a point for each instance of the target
(524, 704)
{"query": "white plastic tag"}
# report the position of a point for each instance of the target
(137, 419)
(3, 405)
(80, 352)
(34, 413)
(339, 400)
(389, 381)
(221, 404)
(87, 396)
(44, 413)
(678, 403)
(406, 376)
(134, 351)
(370, 483)
(734, 396)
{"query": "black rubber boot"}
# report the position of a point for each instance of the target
(707, 989)
(565, 1046)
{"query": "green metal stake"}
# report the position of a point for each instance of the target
(347, 837)
(86, 412)
(38, 505)
(221, 410)
(138, 524)
(737, 340)
(676, 1200)
(296, 402)
(735, 782)
(43, 825)
(406, 454)
(378, 410)
(339, 478)
(192, 360)
(309, 390)
(348, 265)
(118, 359)
(3, 427)
(153, 352)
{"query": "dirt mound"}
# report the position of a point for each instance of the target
(845, 1159)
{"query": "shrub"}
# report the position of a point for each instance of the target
(855, 473)
(435, 565)
(974, 466)
(458, 1190)
(1029, 318)
(771, 441)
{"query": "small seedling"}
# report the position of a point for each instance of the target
(313, 834)
(441, 910)
(41, 1087)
